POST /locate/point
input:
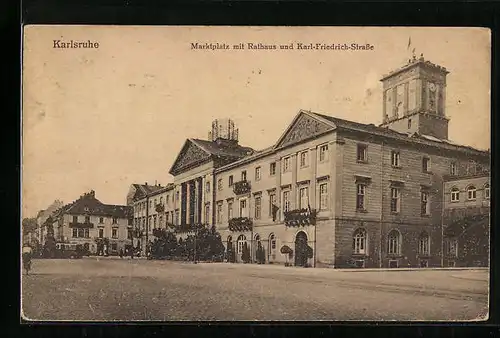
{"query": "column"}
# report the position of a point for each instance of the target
(293, 192)
(183, 206)
(278, 188)
(313, 188)
(196, 199)
(203, 181)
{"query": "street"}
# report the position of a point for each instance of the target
(107, 289)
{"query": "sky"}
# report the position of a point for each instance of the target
(104, 118)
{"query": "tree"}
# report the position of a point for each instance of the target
(49, 248)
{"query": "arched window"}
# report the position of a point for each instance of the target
(272, 245)
(471, 192)
(359, 242)
(455, 194)
(423, 244)
(487, 191)
(394, 243)
(241, 243)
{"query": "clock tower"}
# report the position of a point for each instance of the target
(414, 99)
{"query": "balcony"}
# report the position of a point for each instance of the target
(240, 224)
(159, 208)
(80, 225)
(300, 217)
(184, 228)
(241, 187)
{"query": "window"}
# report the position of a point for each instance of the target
(272, 203)
(360, 197)
(167, 217)
(87, 219)
(409, 123)
(231, 180)
(101, 220)
(114, 233)
(286, 164)
(168, 199)
(395, 199)
(230, 209)
(101, 233)
(272, 242)
(394, 242)
(395, 158)
(303, 198)
(154, 222)
(244, 175)
(207, 214)
(242, 240)
(423, 244)
(258, 207)
(303, 159)
(323, 153)
(359, 242)
(129, 234)
(130, 221)
(272, 169)
(453, 169)
(207, 188)
(471, 168)
(362, 153)
(115, 220)
(286, 201)
(219, 184)
(177, 194)
(323, 196)
(75, 219)
(455, 194)
(87, 233)
(471, 192)
(219, 213)
(75, 232)
(81, 232)
(243, 208)
(424, 203)
(160, 221)
(257, 173)
(486, 191)
(451, 247)
(161, 200)
(426, 164)
(150, 204)
(114, 246)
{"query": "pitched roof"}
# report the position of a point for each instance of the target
(383, 131)
(223, 149)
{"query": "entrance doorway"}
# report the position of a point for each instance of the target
(301, 249)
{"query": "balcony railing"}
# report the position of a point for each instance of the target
(241, 187)
(300, 217)
(84, 225)
(159, 208)
(240, 224)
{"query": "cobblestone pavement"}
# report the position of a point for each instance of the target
(130, 290)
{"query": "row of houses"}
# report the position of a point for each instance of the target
(337, 193)
(328, 193)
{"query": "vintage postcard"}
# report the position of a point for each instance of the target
(255, 173)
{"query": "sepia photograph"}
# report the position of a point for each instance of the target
(231, 173)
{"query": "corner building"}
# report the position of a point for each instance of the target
(337, 193)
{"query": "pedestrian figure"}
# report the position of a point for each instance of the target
(121, 253)
(27, 253)
(131, 253)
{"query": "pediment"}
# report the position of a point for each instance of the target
(303, 127)
(189, 157)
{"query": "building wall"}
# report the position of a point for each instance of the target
(462, 184)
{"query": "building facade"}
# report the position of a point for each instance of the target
(87, 220)
(332, 192)
(153, 208)
(466, 218)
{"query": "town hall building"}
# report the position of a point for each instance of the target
(332, 192)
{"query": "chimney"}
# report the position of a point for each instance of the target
(146, 183)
